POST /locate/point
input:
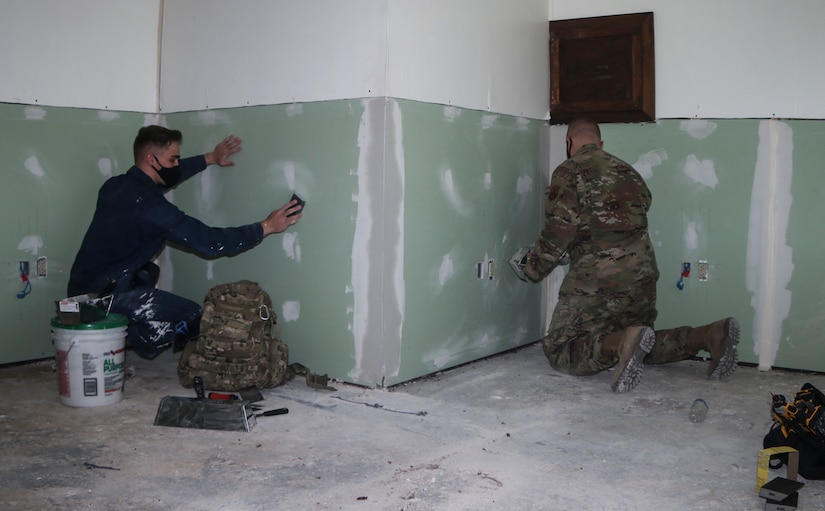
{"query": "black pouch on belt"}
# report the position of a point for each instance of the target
(147, 275)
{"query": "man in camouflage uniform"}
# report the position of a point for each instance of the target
(596, 213)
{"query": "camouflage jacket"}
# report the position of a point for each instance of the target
(596, 210)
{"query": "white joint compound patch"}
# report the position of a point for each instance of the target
(207, 117)
(104, 166)
(167, 269)
(294, 109)
(644, 165)
(488, 180)
(209, 188)
(291, 311)
(210, 270)
(31, 244)
(703, 172)
(448, 186)
(524, 184)
(289, 174)
(769, 264)
(291, 246)
(691, 237)
(34, 113)
(445, 271)
(440, 358)
(32, 164)
(451, 113)
(158, 119)
(107, 115)
(698, 128)
(488, 121)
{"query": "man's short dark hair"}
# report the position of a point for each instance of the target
(154, 136)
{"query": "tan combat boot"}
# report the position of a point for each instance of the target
(630, 346)
(720, 339)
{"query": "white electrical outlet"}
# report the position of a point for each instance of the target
(703, 271)
(42, 268)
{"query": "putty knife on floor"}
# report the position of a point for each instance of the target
(197, 413)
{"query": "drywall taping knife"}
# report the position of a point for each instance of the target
(269, 413)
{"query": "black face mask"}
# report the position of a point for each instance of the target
(170, 175)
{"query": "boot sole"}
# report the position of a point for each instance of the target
(728, 362)
(631, 374)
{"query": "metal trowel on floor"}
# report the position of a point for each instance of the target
(198, 413)
(221, 411)
(202, 413)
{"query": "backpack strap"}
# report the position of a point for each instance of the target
(313, 380)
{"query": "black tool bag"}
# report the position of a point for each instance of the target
(800, 424)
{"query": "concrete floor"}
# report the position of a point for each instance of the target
(507, 432)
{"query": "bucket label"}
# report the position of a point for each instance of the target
(89, 386)
(89, 364)
(63, 373)
(110, 366)
(112, 375)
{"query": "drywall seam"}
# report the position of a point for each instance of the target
(378, 246)
(160, 55)
(393, 255)
(769, 258)
(362, 238)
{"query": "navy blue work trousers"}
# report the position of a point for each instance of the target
(157, 319)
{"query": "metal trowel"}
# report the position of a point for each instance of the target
(198, 413)
(201, 413)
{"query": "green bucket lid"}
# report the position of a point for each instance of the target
(112, 320)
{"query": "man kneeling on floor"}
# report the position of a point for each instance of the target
(596, 215)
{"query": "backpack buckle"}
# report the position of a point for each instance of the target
(263, 312)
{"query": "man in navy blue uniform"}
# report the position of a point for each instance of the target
(132, 223)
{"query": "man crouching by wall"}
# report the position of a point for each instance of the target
(133, 222)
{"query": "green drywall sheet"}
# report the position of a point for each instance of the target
(802, 343)
(473, 195)
(448, 315)
(54, 160)
(719, 215)
(313, 150)
(683, 156)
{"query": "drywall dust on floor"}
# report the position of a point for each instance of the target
(507, 432)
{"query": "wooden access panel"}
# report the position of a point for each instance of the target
(602, 68)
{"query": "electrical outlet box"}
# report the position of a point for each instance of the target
(702, 271)
(42, 268)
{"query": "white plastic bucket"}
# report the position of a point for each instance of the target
(90, 361)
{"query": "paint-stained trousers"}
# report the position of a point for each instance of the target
(157, 319)
(580, 323)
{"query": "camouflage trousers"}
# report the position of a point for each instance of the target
(580, 323)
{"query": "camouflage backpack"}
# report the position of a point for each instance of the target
(235, 348)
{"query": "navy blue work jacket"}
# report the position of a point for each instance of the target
(132, 223)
